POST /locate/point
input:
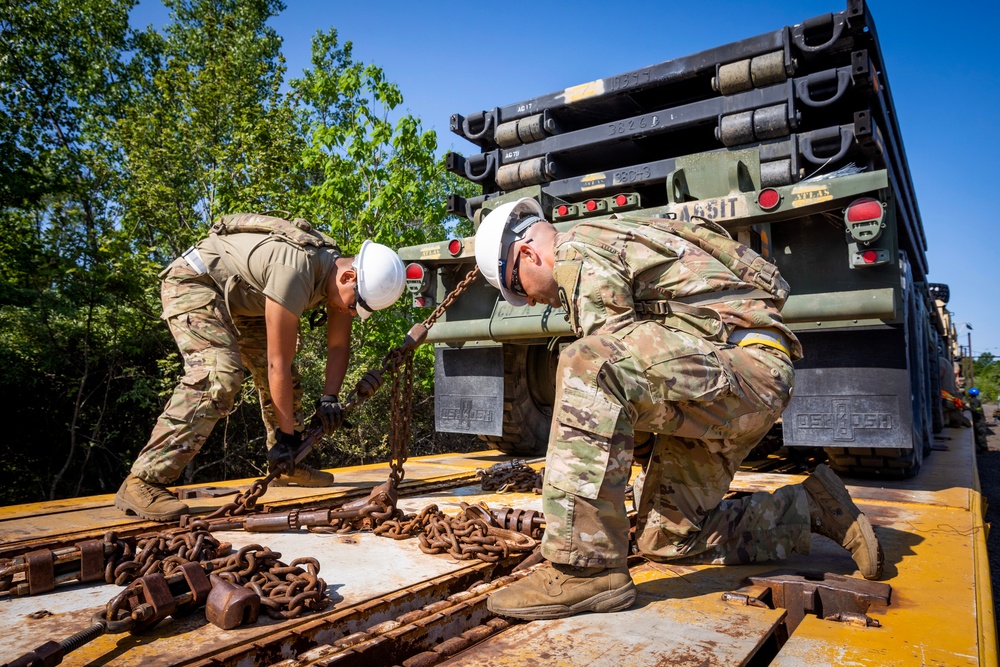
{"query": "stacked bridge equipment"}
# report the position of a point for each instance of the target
(790, 141)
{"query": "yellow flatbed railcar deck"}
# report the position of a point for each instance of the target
(940, 611)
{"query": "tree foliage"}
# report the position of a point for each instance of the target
(117, 148)
(986, 371)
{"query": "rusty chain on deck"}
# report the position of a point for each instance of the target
(168, 572)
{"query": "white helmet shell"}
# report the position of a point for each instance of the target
(493, 243)
(381, 277)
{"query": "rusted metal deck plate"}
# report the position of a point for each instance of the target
(357, 567)
(81, 516)
(936, 562)
(670, 624)
(931, 528)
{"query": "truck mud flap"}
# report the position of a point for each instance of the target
(852, 389)
(468, 390)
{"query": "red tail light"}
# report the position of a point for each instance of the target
(862, 210)
(768, 198)
(414, 272)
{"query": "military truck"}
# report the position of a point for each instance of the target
(788, 140)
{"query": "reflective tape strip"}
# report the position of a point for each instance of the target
(193, 258)
(768, 337)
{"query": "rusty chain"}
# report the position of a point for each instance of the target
(402, 391)
(113, 560)
(475, 532)
(511, 476)
(169, 576)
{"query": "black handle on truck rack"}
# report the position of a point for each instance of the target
(807, 86)
(483, 162)
(807, 143)
(801, 33)
(474, 126)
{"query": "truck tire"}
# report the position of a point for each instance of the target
(869, 461)
(528, 395)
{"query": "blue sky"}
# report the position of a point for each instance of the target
(461, 57)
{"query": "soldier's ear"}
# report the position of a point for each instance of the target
(530, 252)
(347, 276)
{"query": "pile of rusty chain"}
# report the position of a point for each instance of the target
(511, 476)
(165, 551)
(113, 560)
(286, 591)
(233, 587)
(473, 533)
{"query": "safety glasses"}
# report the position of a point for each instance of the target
(515, 279)
(516, 232)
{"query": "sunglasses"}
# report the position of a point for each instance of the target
(515, 279)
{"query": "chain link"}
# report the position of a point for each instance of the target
(512, 476)
(473, 533)
(450, 299)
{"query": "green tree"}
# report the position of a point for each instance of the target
(370, 173)
(71, 345)
(207, 129)
(117, 148)
(986, 370)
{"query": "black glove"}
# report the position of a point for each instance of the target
(331, 413)
(281, 457)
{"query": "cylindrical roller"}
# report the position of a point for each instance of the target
(532, 172)
(771, 122)
(774, 174)
(733, 78)
(531, 129)
(506, 135)
(522, 174)
(507, 178)
(736, 129)
(768, 69)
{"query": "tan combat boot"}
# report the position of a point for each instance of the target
(555, 591)
(305, 476)
(148, 500)
(833, 514)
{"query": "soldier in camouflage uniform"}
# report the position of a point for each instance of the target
(234, 300)
(978, 421)
(675, 344)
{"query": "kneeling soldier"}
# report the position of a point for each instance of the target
(683, 364)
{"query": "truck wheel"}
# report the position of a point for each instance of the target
(529, 373)
(882, 461)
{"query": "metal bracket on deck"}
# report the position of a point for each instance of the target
(204, 492)
(832, 597)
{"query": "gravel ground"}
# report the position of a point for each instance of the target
(989, 480)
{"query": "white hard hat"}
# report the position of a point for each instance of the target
(501, 227)
(381, 277)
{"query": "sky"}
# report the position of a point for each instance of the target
(462, 57)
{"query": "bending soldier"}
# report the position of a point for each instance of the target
(235, 300)
(978, 421)
(683, 365)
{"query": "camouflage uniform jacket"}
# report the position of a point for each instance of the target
(605, 268)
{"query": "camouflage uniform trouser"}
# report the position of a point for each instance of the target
(214, 357)
(710, 405)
